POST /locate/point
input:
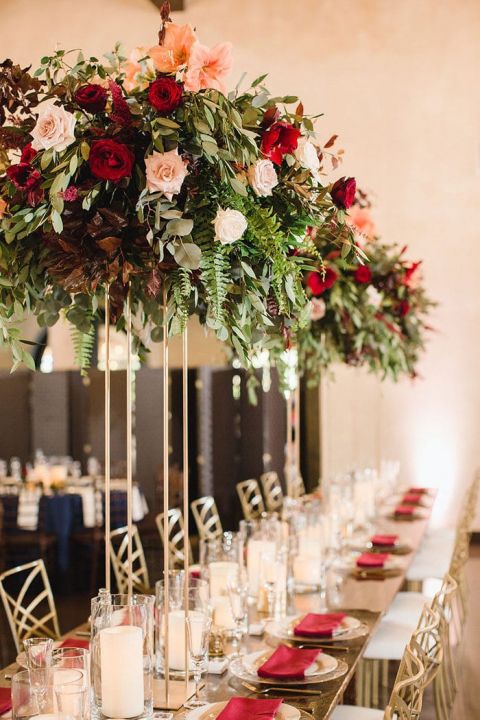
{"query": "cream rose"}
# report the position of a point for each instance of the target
(317, 309)
(229, 225)
(374, 297)
(307, 156)
(54, 128)
(165, 173)
(262, 177)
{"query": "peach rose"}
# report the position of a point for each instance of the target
(165, 173)
(262, 177)
(317, 309)
(361, 219)
(176, 47)
(136, 76)
(3, 207)
(54, 128)
(208, 67)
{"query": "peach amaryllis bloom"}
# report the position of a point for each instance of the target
(176, 48)
(208, 67)
(133, 69)
(361, 219)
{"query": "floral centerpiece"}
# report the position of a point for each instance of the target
(143, 176)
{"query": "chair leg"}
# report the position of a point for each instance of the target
(359, 683)
(375, 683)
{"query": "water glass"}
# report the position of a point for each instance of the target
(38, 652)
(71, 692)
(198, 634)
(24, 700)
(238, 596)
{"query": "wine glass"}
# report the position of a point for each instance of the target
(237, 589)
(198, 633)
(38, 652)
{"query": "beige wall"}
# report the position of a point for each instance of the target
(399, 81)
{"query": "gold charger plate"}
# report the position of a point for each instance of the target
(329, 668)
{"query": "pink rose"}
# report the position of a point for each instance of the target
(54, 128)
(262, 177)
(165, 172)
(208, 67)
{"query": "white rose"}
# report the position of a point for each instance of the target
(317, 309)
(54, 128)
(307, 156)
(374, 297)
(262, 177)
(229, 225)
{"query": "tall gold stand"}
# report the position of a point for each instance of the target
(186, 559)
(166, 499)
(107, 439)
(128, 323)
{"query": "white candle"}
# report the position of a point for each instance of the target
(257, 549)
(121, 666)
(222, 612)
(220, 573)
(307, 570)
(176, 636)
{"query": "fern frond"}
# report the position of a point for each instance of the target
(83, 345)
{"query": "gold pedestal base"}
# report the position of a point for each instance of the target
(178, 693)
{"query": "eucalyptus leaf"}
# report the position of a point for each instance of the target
(187, 255)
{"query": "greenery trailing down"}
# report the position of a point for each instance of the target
(83, 346)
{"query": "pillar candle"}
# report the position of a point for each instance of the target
(255, 550)
(307, 570)
(176, 636)
(121, 666)
(220, 573)
(222, 612)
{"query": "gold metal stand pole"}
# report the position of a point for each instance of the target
(297, 469)
(107, 438)
(289, 443)
(128, 322)
(166, 474)
(186, 541)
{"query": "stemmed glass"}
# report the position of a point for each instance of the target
(38, 652)
(198, 633)
(237, 588)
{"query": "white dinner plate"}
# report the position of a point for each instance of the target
(349, 629)
(212, 710)
(322, 665)
(326, 668)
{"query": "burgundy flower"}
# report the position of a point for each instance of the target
(121, 112)
(318, 282)
(343, 192)
(24, 176)
(70, 194)
(35, 196)
(165, 95)
(363, 274)
(110, 160)
(403, 308)
(280, 139)
(91, 97)
(270, 116)
(28, 153)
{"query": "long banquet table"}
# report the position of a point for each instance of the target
(366, 599)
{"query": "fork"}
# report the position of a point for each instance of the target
(339, 648)
(294, 691)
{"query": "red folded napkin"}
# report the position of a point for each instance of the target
(412, 498)
(288, 663)
(240, 708)
(404, 510)
(75, 643)
(5, 700)
(384, 540)
(372, 560)
(418, 490)
(195, 574)
(319, 624)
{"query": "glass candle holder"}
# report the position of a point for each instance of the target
(122, 656)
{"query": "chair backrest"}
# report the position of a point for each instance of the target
(272, 491)
(297, 486)
(407, 695)
(27, 616)
(119, 555)
(206, 517)
(427, 643)
(176, 536)
(251, 499)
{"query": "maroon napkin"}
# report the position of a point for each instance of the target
(372, 560)
(75, 643)
(5, 700)
(418, 490)
(404, 510)
(384, 540)
(288, 663)
(240, 708)
(319, 624)
(412, 498)
(195, 574)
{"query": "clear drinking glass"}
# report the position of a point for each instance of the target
(238, 596)
(24, 700)
(198, 634)
(38, 653)
(71, 692)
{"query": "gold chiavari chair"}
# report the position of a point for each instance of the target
(272, 491)
(445, 683)
(119, 555)
(176, 537)
(207, 519)
(298, 487)
(251, 499)
(24, 612)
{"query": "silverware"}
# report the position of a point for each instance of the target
(82, 633)
(339, 648)
(294, 691)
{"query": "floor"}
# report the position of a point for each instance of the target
(74, 608)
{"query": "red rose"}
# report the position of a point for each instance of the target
(343, 192)
(28, 153)
(110, 160)
(363, 274)
(165, 95)
(91, 97)
(403, 308)
(280, 139)
(318, 282)
(24, 176)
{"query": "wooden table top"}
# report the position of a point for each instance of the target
(366, 599)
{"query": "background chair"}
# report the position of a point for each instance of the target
(119, 554)
(251, 499)
(272, 491)
(176, 537)
(30, 608)
(206, 517)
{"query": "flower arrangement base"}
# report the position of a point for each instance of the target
(178, 693)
